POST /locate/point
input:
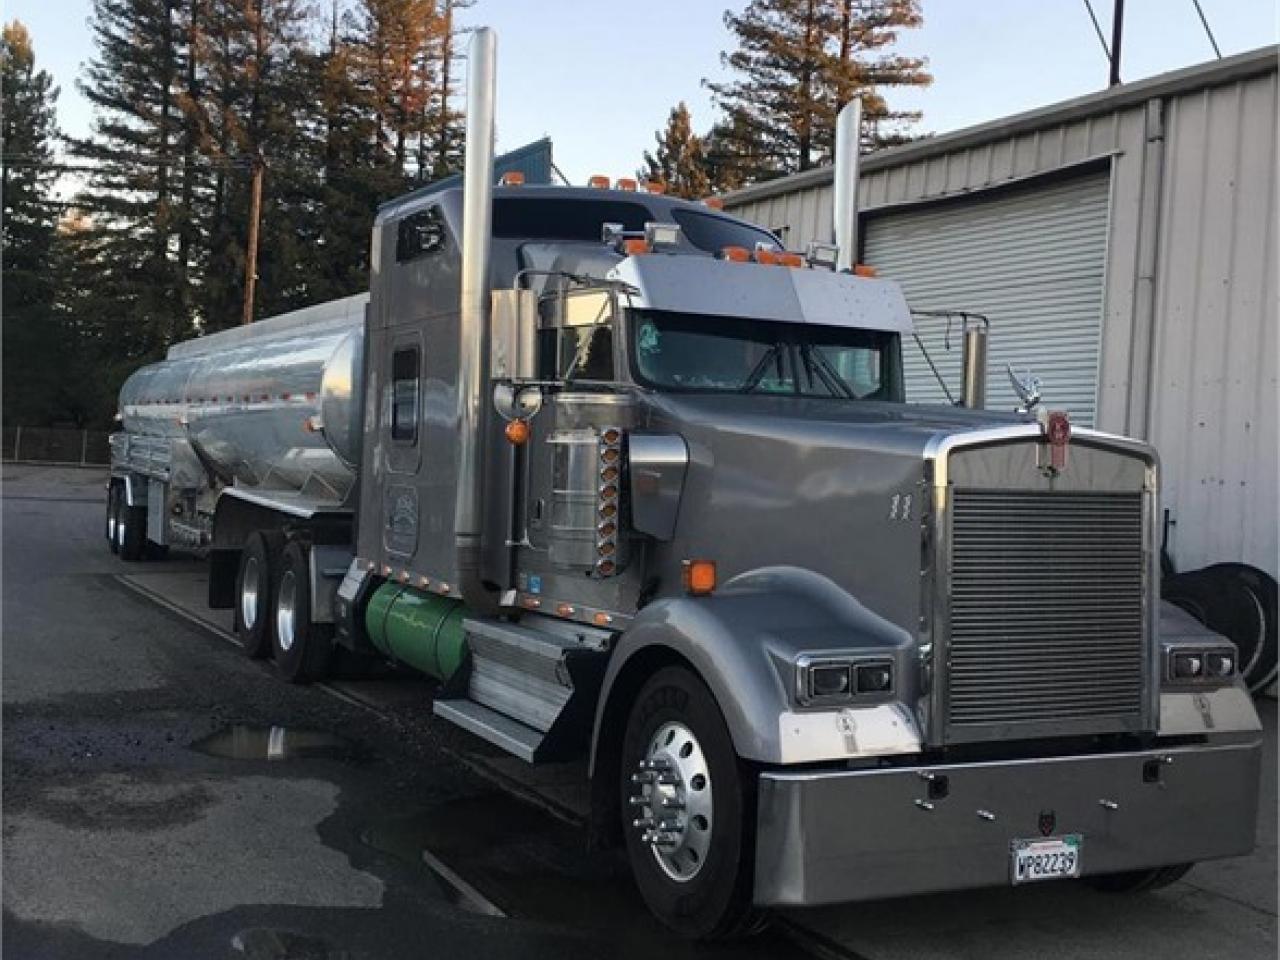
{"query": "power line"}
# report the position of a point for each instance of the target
(1209, 32)
(1097, 28)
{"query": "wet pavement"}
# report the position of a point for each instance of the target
(164, 797)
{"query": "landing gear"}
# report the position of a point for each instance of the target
(300, 648)
(687, 810)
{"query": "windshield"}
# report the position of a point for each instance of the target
(696, 352)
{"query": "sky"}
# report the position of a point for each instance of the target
(600, 76)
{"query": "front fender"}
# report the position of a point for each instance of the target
(743, 642)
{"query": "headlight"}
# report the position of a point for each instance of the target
(829, 680)
(1199, 666)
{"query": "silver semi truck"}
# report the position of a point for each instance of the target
(638, 488)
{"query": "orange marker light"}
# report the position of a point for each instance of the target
(625, 183)
(790, 260)
(699, 577)
(599, 181)
(767, 257)
(862, 270)
(715, 203)
(655, 186)
(518, 432)
(512, 178)
(735, 254)
(635, 246)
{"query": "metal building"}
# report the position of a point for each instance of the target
(1124, 246)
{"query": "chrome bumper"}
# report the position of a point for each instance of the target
(838, 836)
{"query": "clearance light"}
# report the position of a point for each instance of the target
(625, 183)
(517, 432)
(715, 203)
(599, 182)
(735, 254)
(699, 577)
(635, 246)
(512, 178)
(662, 234)
(655, 186)
(862, 270)
(608, 543)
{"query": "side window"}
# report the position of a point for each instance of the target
(404, 395)
(420, 234)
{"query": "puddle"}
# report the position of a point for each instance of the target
(244, 742)
(535, 867)
(264, 943)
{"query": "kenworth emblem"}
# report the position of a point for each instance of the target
(1048, 820)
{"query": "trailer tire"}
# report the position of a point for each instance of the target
(113, 516)
(699, 886)
(1139, 881)
(301, 649)
(131, 532)
(259, 567)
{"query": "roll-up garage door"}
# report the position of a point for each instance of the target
(1031, 260)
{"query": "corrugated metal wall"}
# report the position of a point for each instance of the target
(1214, 398)
(1032, 261)
(1190, 332)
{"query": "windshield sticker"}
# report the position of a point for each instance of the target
(648, 339)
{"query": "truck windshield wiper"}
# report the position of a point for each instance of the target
(818, 364)
(761, 368)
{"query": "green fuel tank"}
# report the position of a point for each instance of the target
(418, 629)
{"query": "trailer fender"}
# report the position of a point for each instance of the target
(743, 642)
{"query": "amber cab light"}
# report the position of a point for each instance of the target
(735, 254)
(513, 178)
(518, 432)
(655, 186)
(599, 181)
(635, 246)
(625, 183)
(699, 577)
(715, 203)
(862, 270)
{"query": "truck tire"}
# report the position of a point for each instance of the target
(131, 532)
(693, 859)
(1139, 881)
(113, 516)
(300, 648)
(259, 566)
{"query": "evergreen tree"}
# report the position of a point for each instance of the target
(679, 162)
(797, 63)
(34, 335)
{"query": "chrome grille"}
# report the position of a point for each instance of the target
(1046, 612)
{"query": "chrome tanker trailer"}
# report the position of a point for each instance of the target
(639, 487)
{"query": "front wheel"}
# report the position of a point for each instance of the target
(1139, 881)
(687, 810)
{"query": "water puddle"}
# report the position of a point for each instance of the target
(245, 742)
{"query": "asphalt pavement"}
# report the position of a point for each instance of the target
(166, 797)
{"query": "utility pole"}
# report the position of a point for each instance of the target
(251, 251)
(1117, 32)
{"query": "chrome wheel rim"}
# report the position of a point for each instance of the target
(674, 809)
(111, 521)
(286, 604)
(120, 525)
(249, 594)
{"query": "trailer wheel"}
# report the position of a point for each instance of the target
(131, 532)
(301, 649)
(687, 810)
(113, 516)
(259, 565)
(1139, 881)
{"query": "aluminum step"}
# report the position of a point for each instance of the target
(542, 674)
(511, 735)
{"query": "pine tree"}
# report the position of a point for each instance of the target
(679, 162)
(797, 63)
(34, 336)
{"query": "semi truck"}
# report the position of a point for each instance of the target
(642, 490)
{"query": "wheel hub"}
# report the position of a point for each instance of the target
(249, 594)
(286, 610)
(674, 804)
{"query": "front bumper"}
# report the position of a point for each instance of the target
(837, 836)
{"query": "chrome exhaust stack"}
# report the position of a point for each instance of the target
(848, 135)
(973, 376)
(477, 214)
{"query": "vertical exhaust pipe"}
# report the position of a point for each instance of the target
(848, 135)
(477, 214)
(973, 373)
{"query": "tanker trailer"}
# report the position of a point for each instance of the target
(642, 489)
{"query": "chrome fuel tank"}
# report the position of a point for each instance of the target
(274, 404)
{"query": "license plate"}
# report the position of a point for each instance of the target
(1048, 858)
